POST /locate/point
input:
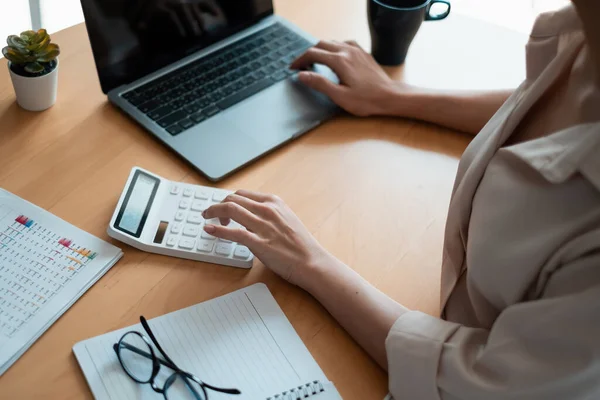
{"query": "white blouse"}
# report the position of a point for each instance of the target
(521, 267)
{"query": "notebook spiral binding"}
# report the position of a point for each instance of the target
(301, 392)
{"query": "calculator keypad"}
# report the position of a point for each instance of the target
(186, 231)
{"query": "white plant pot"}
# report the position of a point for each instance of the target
(37, 93)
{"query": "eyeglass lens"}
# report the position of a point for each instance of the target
(136, 356)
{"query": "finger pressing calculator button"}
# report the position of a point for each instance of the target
(172, 241)
(224, 249)
(175, 228)
(199, 205)
(205, 247)
(219, 196)
(207, 236)
(202, 194)
(175, 189)
(191, 230)
(187, 244)
(188, 192)
(184, 204)
(179, 216)
(241, 252)
(195, 218)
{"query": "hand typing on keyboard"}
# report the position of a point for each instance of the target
(274, 233)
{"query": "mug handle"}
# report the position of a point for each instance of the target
(429, 17)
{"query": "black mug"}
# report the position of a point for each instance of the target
(394, 24)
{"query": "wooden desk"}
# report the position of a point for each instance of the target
(374, 191)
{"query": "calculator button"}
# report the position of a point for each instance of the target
(202, 194)
(224, 249)
(179, 216)
(175, 228)
(188, 192)
(225, 240)
(191, 230)
(172, 241)
(208, 236)
(175, 189)
(205, 247)
(199, 205)
(195, 218)
(184, 204)
(241, 252)
(219, 196)
(187, 244)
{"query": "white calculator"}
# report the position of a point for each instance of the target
(164, 217)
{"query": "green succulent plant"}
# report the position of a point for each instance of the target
(31, 50)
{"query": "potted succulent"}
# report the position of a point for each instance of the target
(33, 66)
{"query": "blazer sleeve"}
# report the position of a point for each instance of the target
(548, 348)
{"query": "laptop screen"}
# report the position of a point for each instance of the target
(132, 38)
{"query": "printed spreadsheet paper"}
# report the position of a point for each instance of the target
(46, 264)
(240, 340)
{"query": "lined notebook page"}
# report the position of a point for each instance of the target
(225, 342)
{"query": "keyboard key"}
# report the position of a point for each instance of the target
(176, 228)
(149, 106)
(172, 119)
(279, 76)
(161, 112)
(179, 216)
(207, 236)
(175, 189)
(172, 241)
(186, 123)
(245, 93)
(195, 218)
(188, 192)
(205, 247)
(242, 252)
(224, 249)
(199, 205)
(174, 129)
(202, 194)
(191, 230)
(184, 204)
(212, 110)
(198, 117)
(219, 196)
(187, 243)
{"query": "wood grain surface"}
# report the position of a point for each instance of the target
(374, 191)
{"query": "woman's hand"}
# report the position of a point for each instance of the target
(274, 233)
(364, 89)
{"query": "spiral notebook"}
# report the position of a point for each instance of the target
(240, 340)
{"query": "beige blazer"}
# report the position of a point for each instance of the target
(521, 267)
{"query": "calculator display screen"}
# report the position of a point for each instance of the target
(137, 204)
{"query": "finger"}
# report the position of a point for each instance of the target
(353, 43)
(321, 84)
(249, 204)
(225, 211)
(256, 196)
(329, 45)
(315, 55)
(242, 236)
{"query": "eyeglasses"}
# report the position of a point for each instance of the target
(136, 355)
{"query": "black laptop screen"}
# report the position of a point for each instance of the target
(132, 38)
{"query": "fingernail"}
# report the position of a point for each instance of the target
(204, 213)
(209, 228)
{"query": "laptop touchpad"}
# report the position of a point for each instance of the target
(217, 146)
(281, 112)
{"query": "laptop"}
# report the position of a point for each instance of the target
(208, 78)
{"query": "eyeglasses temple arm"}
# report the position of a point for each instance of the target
(153, 338)
(145, 354)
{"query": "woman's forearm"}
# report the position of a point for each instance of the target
(362, 310)
(464, 111)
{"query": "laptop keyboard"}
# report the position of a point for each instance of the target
(197, 91)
